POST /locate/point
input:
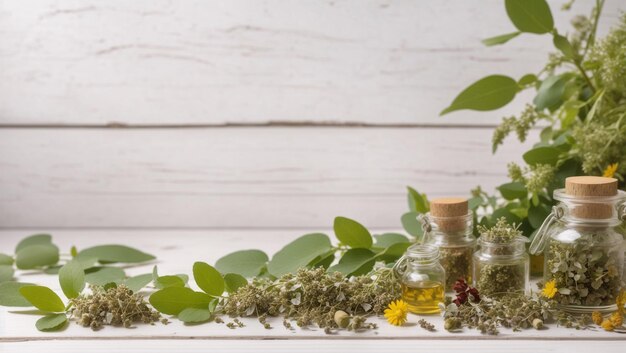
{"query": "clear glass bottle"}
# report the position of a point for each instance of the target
(422, 279)
(501, 267)
(583, 251)
(449, 227)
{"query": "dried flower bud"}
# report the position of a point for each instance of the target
(452, 323)
(342, 319)
(538, 324)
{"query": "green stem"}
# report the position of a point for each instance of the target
(585, 76)
(594, 28)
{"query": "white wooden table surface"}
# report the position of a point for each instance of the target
(176, 251)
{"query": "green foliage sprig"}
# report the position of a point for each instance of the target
(580, 99)
(91, 265)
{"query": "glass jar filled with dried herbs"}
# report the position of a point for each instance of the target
(501, 265)
(449, 227)
(583, 250)
(422, 279)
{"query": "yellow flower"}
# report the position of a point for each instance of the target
(396, 312)
(549, 289)
(617, 319)
(610, 170)
(597, 318)
(607, 325)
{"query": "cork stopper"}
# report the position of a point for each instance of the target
(449, 213)
(591, 186)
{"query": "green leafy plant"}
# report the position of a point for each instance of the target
(580, 102)
(92, 265)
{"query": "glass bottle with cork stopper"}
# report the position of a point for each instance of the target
(583, 251)
(449, 227)
(422, 279)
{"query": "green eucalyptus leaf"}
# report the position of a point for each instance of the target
(247, 263)
(38, 255)
(542, 155)
(6, 259)
(503, 212)
(208, 278)
(561, 43)
(352, 233)
(474, 202)
(393, 252)
(168, 281)
(387, 239)
(43, 298)
(6, 273)
(412, 225)
(527, 79)
(354, 262)
(234, 281)
(489, 93)
(52, 322)
(550, 93)
(324, 260)
(537, 214)
(116, 253)
(417, 202)
(10, 294)
(299, 253)
(194, 315)
(72, 279)
(136, 283)
(514, 190)
(531, 16)
(100, 276)
(35, 239)
(501, 39)
(173, 300)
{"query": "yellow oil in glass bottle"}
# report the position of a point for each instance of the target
(423, 298)
(422, 279)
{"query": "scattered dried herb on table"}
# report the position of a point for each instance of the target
(116, 306)
(313, 296)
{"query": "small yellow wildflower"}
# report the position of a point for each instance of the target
(610, 170)
(617, 319)
(396, 312)
(597, 318)
(549, 289)
(607, 325)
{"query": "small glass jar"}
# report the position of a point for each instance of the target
(422, 279)
(501, 268)
(583, 250)
(451, 230)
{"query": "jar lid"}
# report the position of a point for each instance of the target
(449, 213)
(590, 186)
(449, 207)
(592, 196)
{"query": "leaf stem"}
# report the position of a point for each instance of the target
(585, 76)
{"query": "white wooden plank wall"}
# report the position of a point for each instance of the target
(180, 113)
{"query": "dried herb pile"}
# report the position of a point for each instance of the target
(314, 296)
